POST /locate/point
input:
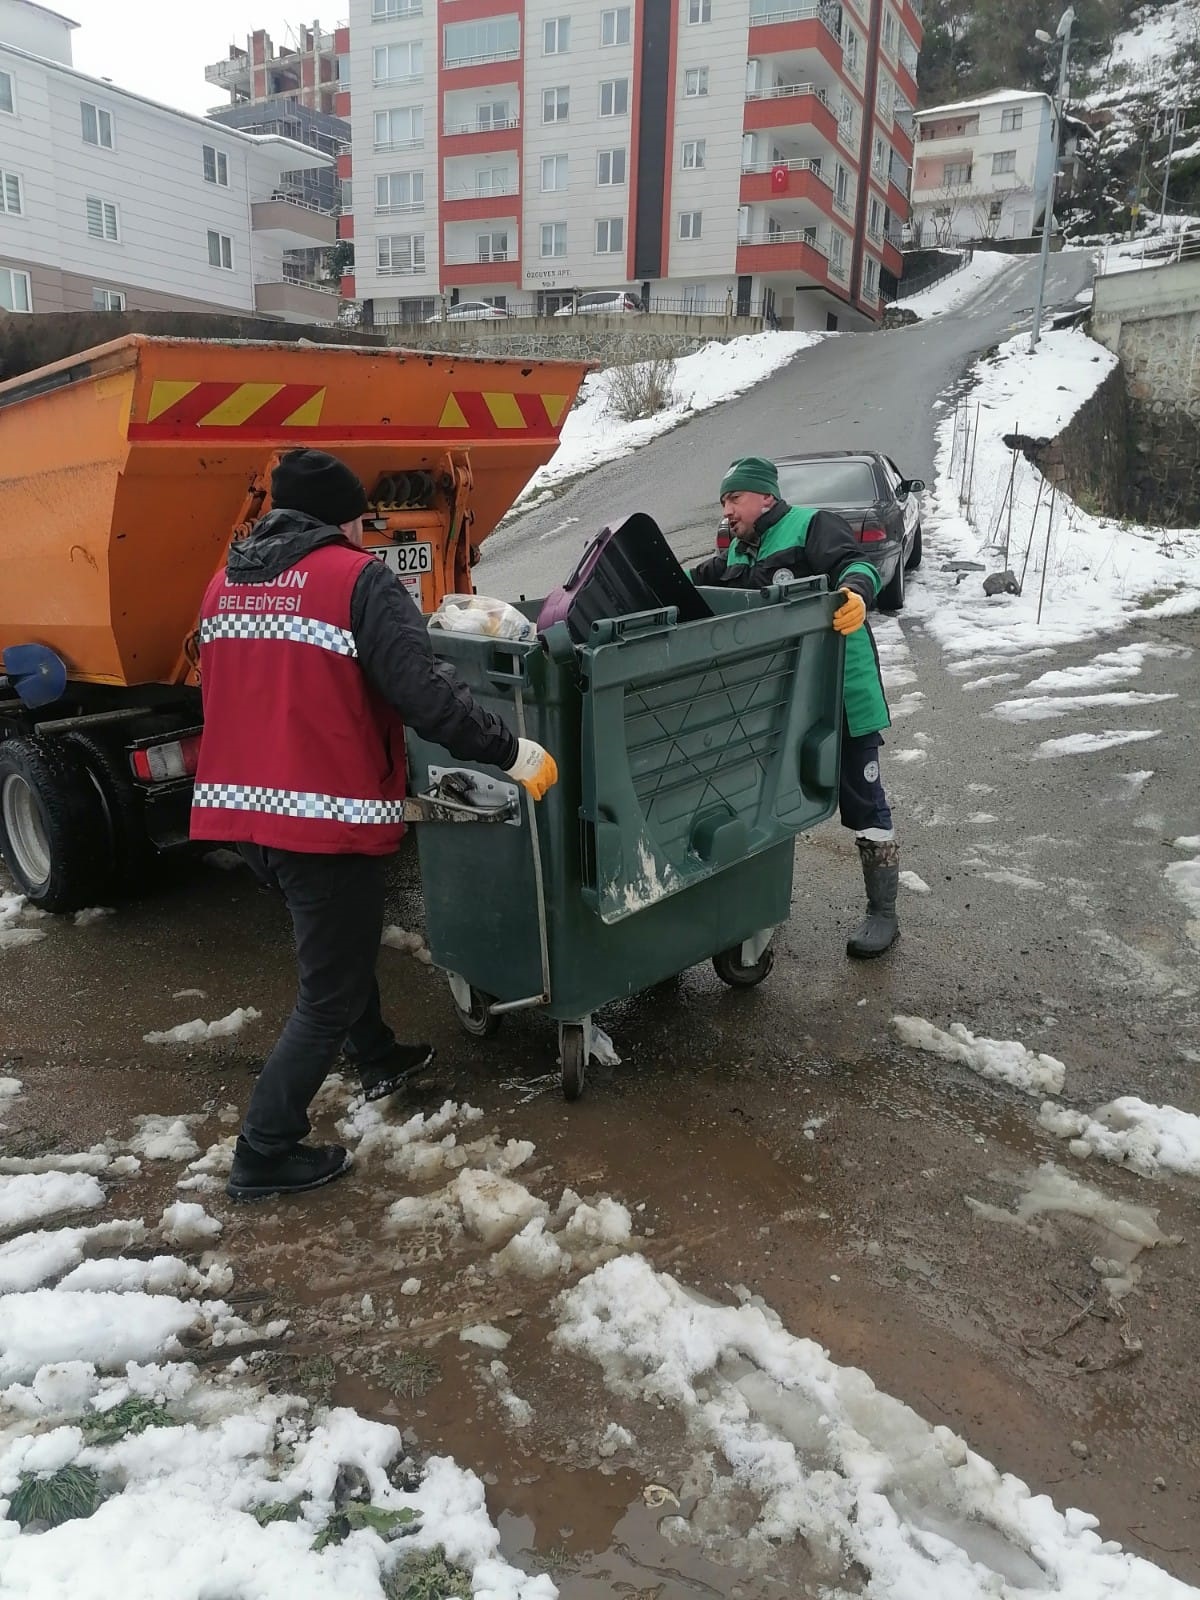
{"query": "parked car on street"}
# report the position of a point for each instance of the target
(881, 505)
(470, 311)
(605, 302)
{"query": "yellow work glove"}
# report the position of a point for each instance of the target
(851, 615)
(535, 769)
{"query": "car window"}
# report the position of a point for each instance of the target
(828, 483)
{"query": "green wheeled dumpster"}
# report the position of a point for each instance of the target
(689, 754)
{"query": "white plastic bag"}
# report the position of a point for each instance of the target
(477, 613)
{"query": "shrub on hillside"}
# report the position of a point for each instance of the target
(642, 390)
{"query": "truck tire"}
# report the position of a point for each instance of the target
(52, 832)
(124, 819)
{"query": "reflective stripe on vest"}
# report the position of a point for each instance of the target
(296, 630)
(295, 803)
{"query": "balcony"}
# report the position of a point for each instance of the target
(398, 12)
(409, 208)
(511, 54)
(395, 146)
(299, 224)
(797, 31)
(806, 184)
(794, 106)
(793, 250)
(295, 300)
(469, 202)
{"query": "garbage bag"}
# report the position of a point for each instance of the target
(478, 613)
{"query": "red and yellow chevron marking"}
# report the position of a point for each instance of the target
(492, 415)
(177, 408)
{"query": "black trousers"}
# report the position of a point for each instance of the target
(336, 906)
(861, 799)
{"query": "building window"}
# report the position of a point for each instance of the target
(837, 251)
(8, 93)
(693, 154)
(995, 210)
(956, 174)
(492, 114)
(491, 39)
(614, 98)
(1004, 161)
(494, 180)
(610, 236)
(889, 32)
(841, 188)
(401, 129)
(871, 278)
(216, 166)
(398, 63)
(846, 116)
(1010, 121)
(556, 105)
(689, 224)
(850, 52)
(610, 167)
(699, 10)
(11, 199)
(879, 156)
(491, 246)
(97, 125)
(554, 239)
(14, 290)
(108, 300)
(102, 222)
(614, 26)
(875, 219)
(220, 251)
(400, 254)
(695, 82)
(883, 98)
(556, 36)
(554, 173)
(398, 192)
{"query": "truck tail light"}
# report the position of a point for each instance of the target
(159, 763)
(873, 533)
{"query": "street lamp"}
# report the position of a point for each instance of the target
(1065, 23)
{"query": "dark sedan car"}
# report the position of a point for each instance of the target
(869, 490)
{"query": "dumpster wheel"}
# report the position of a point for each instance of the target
(729, 967)
(572, 1048)
(479, 1021)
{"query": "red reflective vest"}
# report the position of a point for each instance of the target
(299, 752)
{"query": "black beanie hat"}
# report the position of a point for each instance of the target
(320, 484)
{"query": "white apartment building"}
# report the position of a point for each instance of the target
(982, 168)
(109, 201)
(745, 153)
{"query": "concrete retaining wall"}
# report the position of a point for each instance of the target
(1090, 457)
(611, 341)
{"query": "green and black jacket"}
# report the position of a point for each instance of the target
(798, 542)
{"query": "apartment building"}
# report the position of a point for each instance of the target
(982, 168)
(743, 154)
(110, 201)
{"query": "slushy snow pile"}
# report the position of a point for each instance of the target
(958, 288)
(1001, 1060)
(593, 433)
(201, 1032)
(1152, 1140)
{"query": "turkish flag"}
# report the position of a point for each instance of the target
(779, 180)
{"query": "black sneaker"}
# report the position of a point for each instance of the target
(304, 1166)
(403, 1061)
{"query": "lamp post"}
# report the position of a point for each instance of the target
(1065, 23)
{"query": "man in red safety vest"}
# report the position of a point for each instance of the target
(313, 657)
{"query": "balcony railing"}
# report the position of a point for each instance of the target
(784, 236)
(479, 258)
(291, 274)
(465, 191)
(513, 54)
(807, 13)
(842, 203)
(804, 164)
(452, 128)
(398, 13)
(294, 198)
(787, 91)
(397, 80)
(408, 208)
(393, 146)
(402, 270)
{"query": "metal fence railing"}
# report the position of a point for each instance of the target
(1157, 250)
(910, 285)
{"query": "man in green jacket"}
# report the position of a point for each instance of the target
(773, 542)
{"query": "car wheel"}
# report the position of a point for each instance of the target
(914, 555)
(892, 598)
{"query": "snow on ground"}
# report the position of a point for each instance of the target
(954, 291)
(1001, 1060)
(1087, 744)
(1183, 878)
(815, 1451)
(1155, 35)
(1044, 708)
(593, 433)
(1098, 573)
(201, 1032)
(1149, 1139)
(209, 1485)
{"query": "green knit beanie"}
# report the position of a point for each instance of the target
(751, 472)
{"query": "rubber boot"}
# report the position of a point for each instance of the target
(879, 929)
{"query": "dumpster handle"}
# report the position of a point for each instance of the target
(539, 884)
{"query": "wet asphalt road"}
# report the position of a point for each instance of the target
(778, 1138)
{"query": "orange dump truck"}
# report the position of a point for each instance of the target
(125, 471)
